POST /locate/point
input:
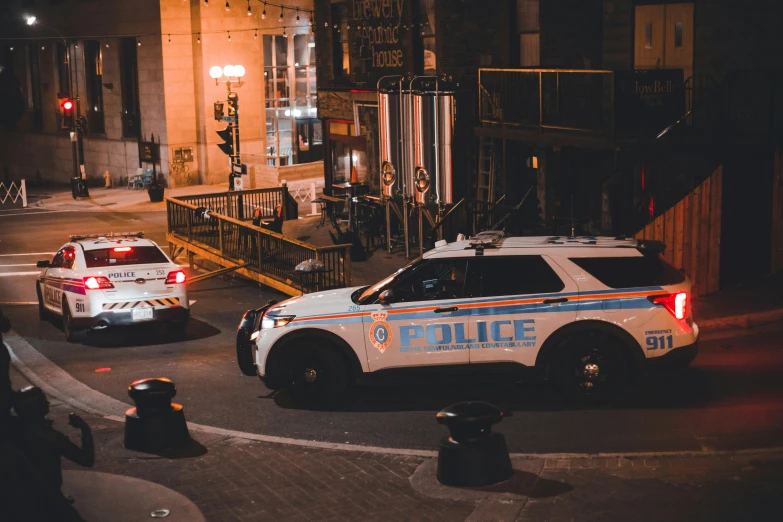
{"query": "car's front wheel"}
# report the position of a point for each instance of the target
(42, 312)
(318, 375)
(591, 368)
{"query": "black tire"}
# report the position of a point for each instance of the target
(318, 375)
(246, 353)
(591, 368)
(43, 313)
(71, 335)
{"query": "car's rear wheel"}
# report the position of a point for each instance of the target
(42, 312)
(318, 375)
(71, 334)
(591, 368)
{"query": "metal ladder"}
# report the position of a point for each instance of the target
(486, 170)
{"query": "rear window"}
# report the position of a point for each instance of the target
(514, 275)
(630, 272)
(118, 256)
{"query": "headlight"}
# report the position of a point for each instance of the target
(275, 321)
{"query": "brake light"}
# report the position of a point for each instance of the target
(122, 249)
(97, 283)
(175, 277)
(676, 304)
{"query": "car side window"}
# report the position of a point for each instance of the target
(69, 257)
(433, 280)
(59, 258)
(514, 275)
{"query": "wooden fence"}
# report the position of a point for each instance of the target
(691, 230)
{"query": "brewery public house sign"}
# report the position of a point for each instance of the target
(381, 25)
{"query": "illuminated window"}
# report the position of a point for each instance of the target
(648, 35)
(678, 35)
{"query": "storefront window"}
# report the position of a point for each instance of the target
(290, 81)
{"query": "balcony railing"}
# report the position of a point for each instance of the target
(558, 99)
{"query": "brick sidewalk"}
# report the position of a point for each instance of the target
(232, 479)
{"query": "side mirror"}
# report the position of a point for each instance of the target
(42, 264)
(386, 297)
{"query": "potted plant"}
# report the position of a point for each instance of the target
(155, 189)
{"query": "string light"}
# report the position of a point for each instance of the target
(311, 19)
(285, 35)
(249, 11)
(206, 3)
(255, 35)
(138, 41)
(198, 40)
(263, 13)
(281, 15)
(169, 38)
(12, 47)
(326, 24)
(228, 7)
(107, 43)
(297, 15)
(229, 35)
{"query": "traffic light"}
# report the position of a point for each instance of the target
(218, 111)
(233, 104)
(67, 110)
(227, 136)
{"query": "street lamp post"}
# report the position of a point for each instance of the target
(231, 74)
(77, 126)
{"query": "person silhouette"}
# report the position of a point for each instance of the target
(42, 444)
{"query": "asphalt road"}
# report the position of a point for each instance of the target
(730, 398)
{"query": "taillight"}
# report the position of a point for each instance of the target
(676, 304)
(97, 283)
(122, 249)
(177, 276)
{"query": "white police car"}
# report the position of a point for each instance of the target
(101, 280)
(591, 311)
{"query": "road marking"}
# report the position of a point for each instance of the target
(35, 212)
(29, 254)
(19, 303)
(190, 303)
(14, 274)
(45, 374)
(26, 264)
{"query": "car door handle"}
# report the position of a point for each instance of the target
(444, 310)
(555, 301)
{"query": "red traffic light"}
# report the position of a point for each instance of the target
(67, 105)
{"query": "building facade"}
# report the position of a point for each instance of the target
(141, 70)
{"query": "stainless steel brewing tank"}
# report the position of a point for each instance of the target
(389, 132)
(425, 164)
(445, 174)
(408, 153)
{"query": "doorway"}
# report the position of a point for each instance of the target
(664, 37)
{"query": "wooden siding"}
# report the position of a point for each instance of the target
(777, 212)
(691, 230)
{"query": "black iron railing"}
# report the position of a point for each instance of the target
(265, 252)
(557, 99)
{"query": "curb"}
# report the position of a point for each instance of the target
(750, 320)
(53, 380)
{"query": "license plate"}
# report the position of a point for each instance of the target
(139, 314)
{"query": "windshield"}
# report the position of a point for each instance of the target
(369, 295)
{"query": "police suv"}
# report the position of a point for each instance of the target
(590, 311)
(101, 280)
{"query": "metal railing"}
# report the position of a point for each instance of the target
(557, 99)
(228, 203)
(265, 252)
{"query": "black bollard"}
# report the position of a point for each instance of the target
(472, 456)
(155, 423)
